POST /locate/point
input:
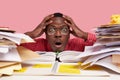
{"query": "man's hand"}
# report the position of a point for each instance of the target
(74, 29)
(39, 30)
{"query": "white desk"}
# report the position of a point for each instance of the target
(113, 76)
(51, 78)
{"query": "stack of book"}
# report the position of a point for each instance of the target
(10, 51)
(106, 51)
(111, 32)
(108, 39)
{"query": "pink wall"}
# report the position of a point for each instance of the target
(24, 15)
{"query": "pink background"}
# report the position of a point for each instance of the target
(25, 15)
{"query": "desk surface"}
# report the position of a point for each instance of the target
(113, 76)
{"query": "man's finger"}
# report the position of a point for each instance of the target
(69, 25)
(47, 23)
(49, 16)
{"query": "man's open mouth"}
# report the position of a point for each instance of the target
(58, 44)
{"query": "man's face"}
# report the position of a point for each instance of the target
(57, 34)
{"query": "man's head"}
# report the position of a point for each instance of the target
(57, 33)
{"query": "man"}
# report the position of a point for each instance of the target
(58, 28)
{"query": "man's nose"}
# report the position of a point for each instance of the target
(58, 34)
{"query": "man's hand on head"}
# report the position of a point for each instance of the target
(40, 29)
(74, 29)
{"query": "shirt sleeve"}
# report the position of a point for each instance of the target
(78, 44)
(91, 39)
(38, 45)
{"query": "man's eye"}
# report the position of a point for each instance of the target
(51, 30)
(65, 30)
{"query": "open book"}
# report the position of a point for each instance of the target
(92, 55)
(59, 68)
(48, 64)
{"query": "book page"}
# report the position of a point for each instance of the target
(26, 54)
(46, 56)
(12, 55)
(4, 50)
(45, 68)
(17, 37)
(13, 39)
(95, 58)
(6, 63)
(69, 56)
(25, 38)
(116, 58)
(107, 63)
(8, 70)
(74, 69)
(68, 68)
(97, 50)
(41, 56)
(31, 69)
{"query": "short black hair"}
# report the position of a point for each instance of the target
(58, 15)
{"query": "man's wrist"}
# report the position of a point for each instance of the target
(83, 35)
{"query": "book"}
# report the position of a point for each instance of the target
(47, 64)
(11, 53)
(107, 50)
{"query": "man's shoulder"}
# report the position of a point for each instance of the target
(76, 39)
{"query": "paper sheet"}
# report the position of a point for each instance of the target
(6, 63)
(96, 50)
(27, 54)
(12, 55)
(95, 58)
(4, 50)
(107, 62)
(9, 69)
(16, 37)
(116, 58)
